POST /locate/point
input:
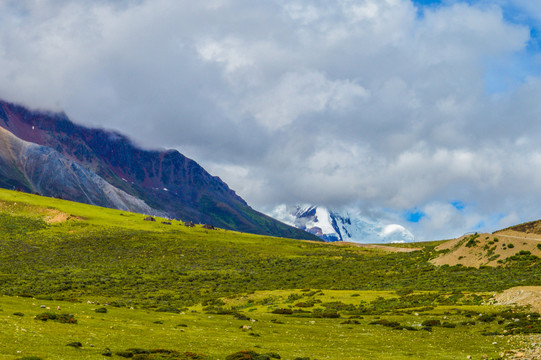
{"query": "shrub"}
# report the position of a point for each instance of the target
(387, 323)
(487, 318)
(101, 310)
(539, 246)
(403, 292)
(18, 314)
(293, 297)
(240, 316)
(282, 311)
(330, 314)
(75, 344)
(305, 304)
(247, 355)
(61, 318)
(472, 240)
(448, 325)
(510, 246)
(107, 352)
(170, 309)
(30, 358)
(66, 319)
(432, 322)
(125, 354)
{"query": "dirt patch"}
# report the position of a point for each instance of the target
(382, 247)
(522, 296)
(512, 234)
(53, 216)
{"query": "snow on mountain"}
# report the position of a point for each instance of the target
(333, 225)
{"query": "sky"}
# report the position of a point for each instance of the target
(422, 113)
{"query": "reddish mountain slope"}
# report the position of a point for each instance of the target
(165, 180)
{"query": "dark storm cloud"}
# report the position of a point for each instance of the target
(380, 104)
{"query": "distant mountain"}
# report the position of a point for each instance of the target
(332, 225)
(48, 154)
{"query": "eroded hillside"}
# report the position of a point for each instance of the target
(495, 249)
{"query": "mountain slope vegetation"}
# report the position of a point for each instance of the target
(104, 252)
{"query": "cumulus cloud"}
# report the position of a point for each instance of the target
(385, 104)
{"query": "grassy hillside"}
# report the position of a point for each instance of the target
(58, 253)
(61, 249)
(353, 325)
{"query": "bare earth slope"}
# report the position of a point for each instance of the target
(486, 249)
(521, 295)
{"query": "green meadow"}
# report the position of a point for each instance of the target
(83, 282)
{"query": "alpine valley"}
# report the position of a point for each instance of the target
(47, 154)
(341, 225)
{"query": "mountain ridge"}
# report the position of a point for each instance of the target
(165, 180)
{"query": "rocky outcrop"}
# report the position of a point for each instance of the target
(42, 170)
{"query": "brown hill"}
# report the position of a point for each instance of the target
(475, 250)
(530, 228)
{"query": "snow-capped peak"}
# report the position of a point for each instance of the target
(332, 225)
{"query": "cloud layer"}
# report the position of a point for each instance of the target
(388, 105)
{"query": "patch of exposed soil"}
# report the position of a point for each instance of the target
(53, 216)
(522, 296)
(382, 247)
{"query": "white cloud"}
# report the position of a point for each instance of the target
(363, 101)
(298, 94)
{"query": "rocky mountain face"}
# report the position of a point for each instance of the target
(334, 225)
(40, 169)
(48, 154)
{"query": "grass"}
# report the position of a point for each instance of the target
(217, 336)
(185, 289)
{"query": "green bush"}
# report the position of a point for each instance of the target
(247, 355)
(432, 322)
(385, 322)
(448, 325)
(487, 318)
(61, 318)
(282, 311)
